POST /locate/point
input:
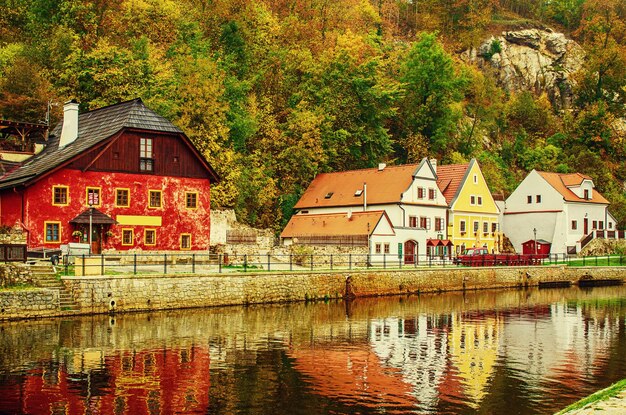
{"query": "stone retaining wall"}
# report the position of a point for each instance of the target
(15, 274)
(133, 293)
(35, 302)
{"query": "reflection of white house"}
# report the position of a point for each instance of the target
(408, 195)
(560, 345)
(418, 348)
(562, 208)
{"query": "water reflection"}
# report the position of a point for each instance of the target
(487, 352)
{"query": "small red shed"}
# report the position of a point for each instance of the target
(543, 247)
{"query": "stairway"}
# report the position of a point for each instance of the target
(44, 276)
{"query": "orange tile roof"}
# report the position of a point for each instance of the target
(561, 182)
(449, 178)
(384, 186)
(327, 224)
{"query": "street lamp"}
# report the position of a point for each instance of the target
(535, 233)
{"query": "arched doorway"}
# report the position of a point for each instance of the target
(410, 252)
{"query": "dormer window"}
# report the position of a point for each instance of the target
(358, 193)
(146, 162)
(329, 195)
(586, 194)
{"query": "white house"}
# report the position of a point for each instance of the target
(563, 209)
(407, 194)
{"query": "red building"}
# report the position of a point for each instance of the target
(130, 172)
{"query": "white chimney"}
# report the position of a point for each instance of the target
(381, 166)
(433, 162)
(349, 214)
(69, 132)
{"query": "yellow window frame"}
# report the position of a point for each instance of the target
(132, 236)
(99, 189)
(197, 200)
(45, 231)
(67, 195)
(182, 235)
(150, 191)
(128, 198)
(145, 237)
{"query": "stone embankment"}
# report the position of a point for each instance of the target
(122, 293)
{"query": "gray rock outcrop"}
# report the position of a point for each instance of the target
(532, 59)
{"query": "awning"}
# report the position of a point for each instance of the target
(439, 242)
(97, 218)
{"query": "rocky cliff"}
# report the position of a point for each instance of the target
(532, 59)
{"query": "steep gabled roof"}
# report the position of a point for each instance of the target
(94, 127)
(333, 224)
(449, 179)
(560, 183)
(339, 189)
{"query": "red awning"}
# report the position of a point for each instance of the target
(439, 242)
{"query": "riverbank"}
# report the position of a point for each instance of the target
(128, 293)
(609, 401)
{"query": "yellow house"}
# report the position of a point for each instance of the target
(472, 213)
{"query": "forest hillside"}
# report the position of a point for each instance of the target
(274, 92)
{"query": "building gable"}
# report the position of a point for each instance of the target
(171, 156)
(473, 194)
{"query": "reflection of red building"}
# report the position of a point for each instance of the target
(163, 381)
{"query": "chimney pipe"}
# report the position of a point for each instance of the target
(69, 132)
(364, 197)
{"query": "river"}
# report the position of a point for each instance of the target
(488, 352)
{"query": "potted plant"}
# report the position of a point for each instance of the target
(77, 234)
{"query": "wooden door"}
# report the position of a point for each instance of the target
(410, 256)
(585, 226)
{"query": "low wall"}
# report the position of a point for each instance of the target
(15, 274)
(134, 293)
(35, 302)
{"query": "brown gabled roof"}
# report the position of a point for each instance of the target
(449, 179)
(338, 189)
(95, 127)
(333, 224)
(97, 218)
(560, 182)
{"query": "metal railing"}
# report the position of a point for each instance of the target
(203, 263)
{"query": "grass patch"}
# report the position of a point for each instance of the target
(602, 395)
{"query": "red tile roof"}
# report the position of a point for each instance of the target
(338, 189)
(449, 178)
(335, 224)
(561, 182)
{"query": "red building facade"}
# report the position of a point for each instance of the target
(131, 173)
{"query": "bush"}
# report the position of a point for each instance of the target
(495, 47)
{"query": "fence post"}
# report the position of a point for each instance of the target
(164, 263)
(596, 260)
(219, 263)
(66, 262)
(101, 264)
(245, 263)
(384, 261)
(331, 262)
(584, 261)
(400, 261)
(350, 261)
(193, 263)
(83, 265)
(311, 262)
(430, 261)
(135, 264)
(290, 262)
(367, 259)
(268, 262)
